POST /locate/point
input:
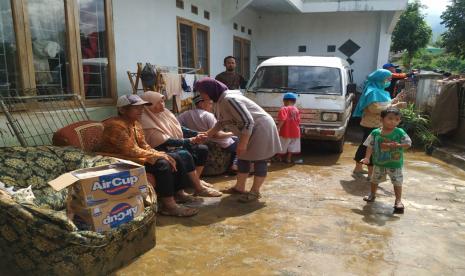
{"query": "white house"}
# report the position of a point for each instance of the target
(87, 46)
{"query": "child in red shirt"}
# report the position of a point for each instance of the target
(289, 127)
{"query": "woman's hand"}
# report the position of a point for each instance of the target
(365, 161)
(241, 148)
(400, 105)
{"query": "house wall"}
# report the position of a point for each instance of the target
(147, 32)
(281, 34)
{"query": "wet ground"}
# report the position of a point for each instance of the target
(312, 221)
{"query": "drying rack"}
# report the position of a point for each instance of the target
(134, 77)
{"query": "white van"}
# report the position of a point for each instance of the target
(325, 90)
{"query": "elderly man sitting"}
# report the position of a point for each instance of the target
(202, 119)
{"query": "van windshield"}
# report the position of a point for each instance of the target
(300, 79)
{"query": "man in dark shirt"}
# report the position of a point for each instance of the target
(229, 77)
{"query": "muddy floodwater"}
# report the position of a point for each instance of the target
(312, 221)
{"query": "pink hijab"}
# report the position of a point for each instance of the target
(159, 127)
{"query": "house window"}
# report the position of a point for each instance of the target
(194, 9)
(193, 45)
(235, 26)
(49, 46)
(249, 32)
(206, 15)
(241, 49)
(302, 49)
(94, 48)
(331, 48)
(57, 52)
(243, 29)
(9, 82)
(180, 4)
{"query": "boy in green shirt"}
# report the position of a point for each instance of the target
(387, 145)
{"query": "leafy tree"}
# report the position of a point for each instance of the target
(453, 40)
(411, 33)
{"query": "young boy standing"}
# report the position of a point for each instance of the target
(387, 145)
(289, 127)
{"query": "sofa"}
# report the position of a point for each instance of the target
(38, 239)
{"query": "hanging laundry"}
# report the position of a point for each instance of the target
(172, 85)
(184, 85)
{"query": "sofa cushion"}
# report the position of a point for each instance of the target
(35, 166)
(85, 135)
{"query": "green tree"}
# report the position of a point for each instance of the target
(411, 33)
(453, 40)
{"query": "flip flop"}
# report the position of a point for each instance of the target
(232, 191)
(249, 197)
(208, 192)
(187, 199)
(369, 198)
(399, 208)
(179, 211)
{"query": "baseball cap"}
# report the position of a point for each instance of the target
(197, 99)
(389, 65)
(290, 96)
(131, 99)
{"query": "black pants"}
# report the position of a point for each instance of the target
(362, 150)
(191, 155)
(167, 181)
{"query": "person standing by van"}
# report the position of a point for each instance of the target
(230, 77)
(374, 99)
(289, 127)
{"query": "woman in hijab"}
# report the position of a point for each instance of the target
(258, 135)
(123, 137)
(164, 132)
(374, 99)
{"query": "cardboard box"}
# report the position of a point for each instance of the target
(97, 185)
(106, 216)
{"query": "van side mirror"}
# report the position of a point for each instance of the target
(351, 88)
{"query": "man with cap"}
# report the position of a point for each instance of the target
(396, 76)
(202, 119)
(123, 137)
(230, 77)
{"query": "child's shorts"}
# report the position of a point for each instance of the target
(379, 175)
(291, 145)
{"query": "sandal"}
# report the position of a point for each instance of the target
(232, 191)
(179, 211)
(187, 199)
(369, 198)
(208, 192)
(206, 184)
(249, 197)
(399, 208)
(358, 175)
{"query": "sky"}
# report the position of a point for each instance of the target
(435, 7)
(433, 10)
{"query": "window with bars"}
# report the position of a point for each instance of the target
(56, 52)
(241, 48)
(193, 45)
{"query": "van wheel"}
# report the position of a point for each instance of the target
(338, 146)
